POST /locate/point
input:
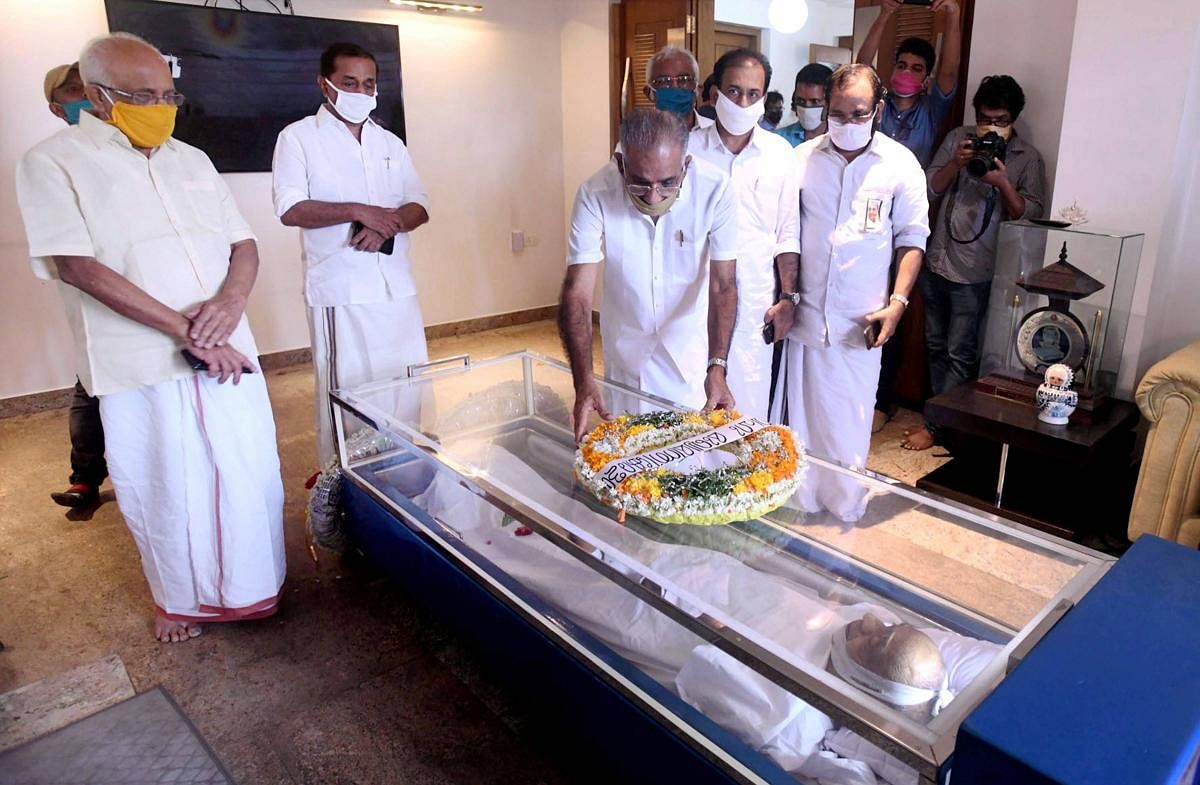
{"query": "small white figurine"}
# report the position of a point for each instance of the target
(1055, 398)
(1073, 214)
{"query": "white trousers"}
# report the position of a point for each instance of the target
(830, 397)
(657, 376)
(196, 471)
(749, 373)
(356, 344)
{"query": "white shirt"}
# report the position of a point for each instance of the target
(319, 158)
(764, 177)
(702, 122)
(655, 272)
(165, 224)
(852, 218)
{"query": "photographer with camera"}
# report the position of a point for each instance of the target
(985, 173)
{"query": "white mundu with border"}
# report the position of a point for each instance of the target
(853, 217)
(194, 463)
(763, 175)
(654, 316)
(364, 317)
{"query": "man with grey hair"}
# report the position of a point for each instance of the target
(666, 228)
(155, 263)
(672, 76)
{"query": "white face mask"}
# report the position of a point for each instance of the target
(738, 120)
(810, 117)
(353, 107)
(851, 136)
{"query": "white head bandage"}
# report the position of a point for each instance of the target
(886, 690)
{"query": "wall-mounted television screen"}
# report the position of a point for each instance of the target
(247, 74)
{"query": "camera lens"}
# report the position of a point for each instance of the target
(978, 166)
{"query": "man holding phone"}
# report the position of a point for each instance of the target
(762, 173)
(862, 202)
(351, 187)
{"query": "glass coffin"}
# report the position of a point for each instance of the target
(750, 623)
(1059, 295)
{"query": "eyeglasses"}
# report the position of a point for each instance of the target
(858, 118)
(666, 189)
(686, 81)
(999, 122)
(146, 97)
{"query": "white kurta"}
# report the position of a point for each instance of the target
(852, 219)
(196, 473)
(654, 316)
(364, 321)
(763, 175)
(194, 463)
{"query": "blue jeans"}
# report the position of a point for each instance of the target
(953, 316)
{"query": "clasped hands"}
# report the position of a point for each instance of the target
(379, 224)
(210, 325)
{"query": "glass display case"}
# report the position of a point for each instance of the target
(734, 626)
(1060, 294)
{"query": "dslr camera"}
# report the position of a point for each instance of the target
(984, 152)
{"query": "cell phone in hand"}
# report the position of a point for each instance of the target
(768, 333)
(916, 2)
(388, 246)
(871, 333)
(199, 365)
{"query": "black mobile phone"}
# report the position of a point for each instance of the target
(871, 333)
(388, 246)
(199, 365)
(768, 333)
(916, 2)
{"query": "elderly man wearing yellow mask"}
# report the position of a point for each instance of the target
(155, 264)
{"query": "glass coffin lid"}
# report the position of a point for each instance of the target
(780, 629)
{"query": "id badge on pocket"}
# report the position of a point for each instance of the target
(874, 217)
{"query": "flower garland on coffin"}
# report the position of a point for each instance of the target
(769, 465)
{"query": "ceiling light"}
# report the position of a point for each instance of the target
(786, 16)
(439, 7)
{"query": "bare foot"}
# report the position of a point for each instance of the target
(169, 631)
(920, 439)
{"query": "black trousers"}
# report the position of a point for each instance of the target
(87, 439)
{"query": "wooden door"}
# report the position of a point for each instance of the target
(728, 36)
(641, 28)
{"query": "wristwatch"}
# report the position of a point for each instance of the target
(718, 361)
(900, 299)
(794, 297)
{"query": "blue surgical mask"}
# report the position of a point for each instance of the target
(73, 109)
(674, 99)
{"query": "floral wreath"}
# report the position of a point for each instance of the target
(769, 467)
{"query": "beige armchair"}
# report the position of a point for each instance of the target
(1167, 500)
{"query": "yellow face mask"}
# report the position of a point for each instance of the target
(145, 126)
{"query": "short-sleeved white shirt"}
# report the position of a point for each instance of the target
(763, 175)
(853, 216)
(656, 272)
(165, 223)
(319, 158)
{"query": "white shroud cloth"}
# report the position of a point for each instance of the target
(196, 472)
(794, 734)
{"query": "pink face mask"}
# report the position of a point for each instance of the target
(905, 84)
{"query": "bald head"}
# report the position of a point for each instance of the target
(897, 652)
(125, 62)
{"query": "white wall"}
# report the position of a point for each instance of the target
(1125, 153)
(1038, 57)
(789, 53)
(485, 99)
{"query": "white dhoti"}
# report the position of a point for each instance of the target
(658, 375)
(830, 398)
(196, 472)
(356, 344)
(749, 372)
